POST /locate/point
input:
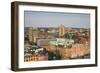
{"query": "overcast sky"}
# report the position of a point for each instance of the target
(54, 19)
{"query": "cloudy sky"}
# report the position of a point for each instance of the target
(54, 19)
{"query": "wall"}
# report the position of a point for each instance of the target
(5, 40)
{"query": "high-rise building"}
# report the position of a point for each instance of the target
(30, 34)
(61, 30)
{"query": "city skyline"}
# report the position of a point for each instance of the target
(54, 19)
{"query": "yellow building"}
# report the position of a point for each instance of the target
(35, 35)
(30, 34)
(61, 30)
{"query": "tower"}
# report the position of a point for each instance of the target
(61, 30)
(30, 31)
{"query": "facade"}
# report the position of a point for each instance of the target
(35, 58)
(30, 34)
(35, 35)
(61, 30)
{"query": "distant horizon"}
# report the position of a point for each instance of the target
(57, 27)
(37, 19)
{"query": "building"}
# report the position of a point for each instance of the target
(35, 35)
(30, 34)
(61, 30)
